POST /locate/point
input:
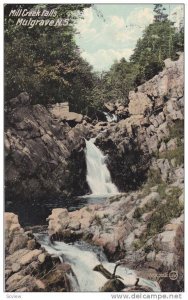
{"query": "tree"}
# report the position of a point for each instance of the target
(45, 61)
(159, 41)
(160, 15)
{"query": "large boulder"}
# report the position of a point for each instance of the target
(61, 112)
(167, 84)
(15, 238)
(22, 99)
(139, 103)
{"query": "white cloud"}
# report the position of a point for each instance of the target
(177, 16)
(84, 25)
(117, 21)
(141, 17)
(102, 59)
(113, 39)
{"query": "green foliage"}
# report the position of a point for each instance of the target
(159, 42)
(120, 80)
(138, 243)
(160, 15)
(175, 131)
(164, 212)
(45, 61)
(139, 211)
(161, 189)
(177, 154)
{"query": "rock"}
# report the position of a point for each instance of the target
(172, 110)
(30, 256)
(26, 284)
(152, 143)
(181, 199)
(165, 259)
(109, 106)
(19, 242)
(147, 216)
(24, 98)
(59, 109)
(20, 100)
(61, 112)
(36, 138)
(12, 228)
(151, 256)
(14, 102)
(169, 83)
(57, 280)
(172, 144)
(31, 244)
(139, 103)
(24, 267)
(162, 147)
(58, 220)
(41, 257)
(16, 267)
(101, 124)
(71, 116)
(163, 131)
(13, 280)
(178, 176)
(164, 167)
(154, 196)
(15, 257)
(166, 240)
(113, 285)
(8, 272)
(130, 123)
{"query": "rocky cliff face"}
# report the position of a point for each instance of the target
(45, 158)
(28, 267)
(41, 153)
(144, 227)
(152, 135)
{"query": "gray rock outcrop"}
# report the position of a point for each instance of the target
(31, 270)
(38, 151)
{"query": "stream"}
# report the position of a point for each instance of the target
(83, 258)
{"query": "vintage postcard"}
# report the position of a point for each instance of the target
(94, 148)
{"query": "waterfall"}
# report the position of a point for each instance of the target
(83, 259)
(98, 175)
(110, 117)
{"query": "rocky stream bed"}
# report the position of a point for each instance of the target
(139, 223)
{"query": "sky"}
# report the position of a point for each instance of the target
(103, 40)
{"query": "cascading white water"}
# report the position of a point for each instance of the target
(98, 175)
(110, 117)
(82, 263)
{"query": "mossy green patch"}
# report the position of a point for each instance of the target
(177, 154)
(163, 212)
